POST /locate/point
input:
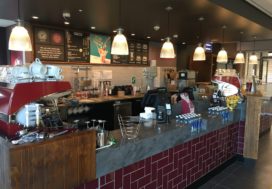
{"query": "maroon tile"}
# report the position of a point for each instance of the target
(171, 155)
(144, 180)
(195, 141)
(154, 171)
(182, 185)
(186, 158)
(166, 153)
(164, 181)
(134, 185)
(118, 178)
(109, 185)
(182, 153)
(126, 181)
(147, 165)
(167, 169)
(178, 179)
(102, 180)
(109, 177)
(188, 176)
(170, 184)
(176, 157)
(173, 174)
(159, 177)
(195, 169)
(178, 148)
(189, 164)
(129, 169)
(152, 185)
(157, 157)
(163, 162)
(92, 185)
(137, 174)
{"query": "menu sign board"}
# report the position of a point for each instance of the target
(138, 54)
(78, 45)
(49, 44)
(119, 59)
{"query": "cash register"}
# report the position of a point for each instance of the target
(158, 98)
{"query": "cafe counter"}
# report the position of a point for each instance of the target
(168, 155)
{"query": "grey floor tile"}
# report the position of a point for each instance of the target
(244, 175)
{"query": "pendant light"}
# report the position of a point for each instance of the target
(222, 56)
(167, 50)
(253, 59)
(199, 53)
(19, 39)
(119, 44)
(240, 58)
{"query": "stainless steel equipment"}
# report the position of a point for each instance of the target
(186, 78)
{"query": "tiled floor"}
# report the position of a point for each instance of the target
(245, 175)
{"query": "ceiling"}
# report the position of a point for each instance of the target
(263, 5)
(139, 17)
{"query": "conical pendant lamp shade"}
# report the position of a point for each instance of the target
(253, 59)
(222, 56)
(240, 58)
(119, 44)
(19, 39)
(167, 50)
(199, 54)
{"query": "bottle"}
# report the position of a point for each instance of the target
(106, 90)
(110, 90)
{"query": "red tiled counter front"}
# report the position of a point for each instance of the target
(176, 167)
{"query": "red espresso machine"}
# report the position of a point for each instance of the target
(13, 98)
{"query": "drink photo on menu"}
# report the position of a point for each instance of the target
(100, 49)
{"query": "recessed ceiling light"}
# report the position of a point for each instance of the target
(175, 36)
(80, 10)
(148, 37)
(156, 28)
(183, 43)
(66, 22)
(93, 27)
(35, 17)
(133, 34)
(114, 31)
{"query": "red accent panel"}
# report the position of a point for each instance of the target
(176, 167)
(11, 100)
(9, 130)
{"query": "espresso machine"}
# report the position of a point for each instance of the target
(21, 104)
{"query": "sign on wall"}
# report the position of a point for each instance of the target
(100, 49)
(49, 44)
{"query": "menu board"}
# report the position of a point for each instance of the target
(119, 59)
(49, 44)
(138, 54)
(78, 45)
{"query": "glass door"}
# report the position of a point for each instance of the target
(266, 69)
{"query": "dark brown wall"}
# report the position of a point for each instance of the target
(3, 46)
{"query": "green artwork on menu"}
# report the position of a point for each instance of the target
(100, 49)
